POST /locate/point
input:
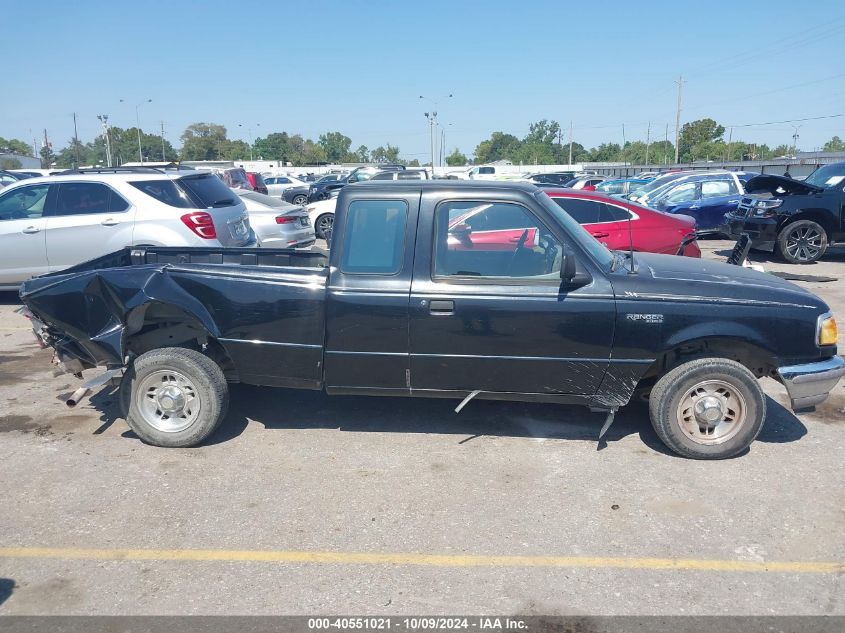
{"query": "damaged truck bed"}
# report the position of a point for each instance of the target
(442, 289)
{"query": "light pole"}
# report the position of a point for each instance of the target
(138, 124)
(432, 121)
(249, 131)
(104, 119)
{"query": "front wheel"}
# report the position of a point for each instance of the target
(300, 199)
(802, 242)
(174, 397)
(710, 408)
(323, 224)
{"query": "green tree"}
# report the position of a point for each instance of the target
(456, 159)
(67, 156)
(499, 146)
(234, 149)
(312, 153)
(388, 154)
(781, 150)
(15, 146)
(835, 144)
(534, 153)
(543, 132)
(203, 141)
(606, 153)
(275, 146)
(698, 137)
(48, 158)
(335, 145)
(10, 163)
(579, 153)
(362, 154)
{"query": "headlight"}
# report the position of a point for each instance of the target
(765, 208)
(828, 334)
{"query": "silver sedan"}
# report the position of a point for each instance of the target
(277, 224)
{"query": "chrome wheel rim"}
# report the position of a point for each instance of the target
(300, 200)
(711, 412)
(804, 243)
(324, 223)
(168, 401)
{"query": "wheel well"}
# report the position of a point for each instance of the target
(822, 218)
(157, 325)
(757, 360)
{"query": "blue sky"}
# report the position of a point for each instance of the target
(359, 68)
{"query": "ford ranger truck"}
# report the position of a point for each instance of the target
(518, 303)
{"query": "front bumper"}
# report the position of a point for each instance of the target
(810, 384)
(762, 231)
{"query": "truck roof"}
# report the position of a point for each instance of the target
(451, 185)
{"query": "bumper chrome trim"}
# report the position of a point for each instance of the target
(810, 384)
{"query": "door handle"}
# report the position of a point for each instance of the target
(110, 222)
(31, 229)
(441, 306)
(599, 234)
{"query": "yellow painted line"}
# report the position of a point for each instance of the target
(425, 560)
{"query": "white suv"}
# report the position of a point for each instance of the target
(51, 223)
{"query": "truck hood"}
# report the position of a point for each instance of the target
(778, 185)
(692, 279)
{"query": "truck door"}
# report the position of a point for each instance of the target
(368, 293)
(497, 319)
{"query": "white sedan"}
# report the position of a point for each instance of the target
(322, 215)
(276, 185)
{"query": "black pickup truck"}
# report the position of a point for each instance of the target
(798, 219)
(443, 289)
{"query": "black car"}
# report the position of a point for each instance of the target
(797, 219)
(559, 178)
(296, 195)
(443, 290)
(321, 189)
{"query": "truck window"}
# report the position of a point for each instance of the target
(375, 237)
(493, 239)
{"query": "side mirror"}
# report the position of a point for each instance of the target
(351, 179)
(568, 266)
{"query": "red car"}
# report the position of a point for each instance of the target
(606, 219)
(257, 182)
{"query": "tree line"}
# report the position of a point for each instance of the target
(701, 140)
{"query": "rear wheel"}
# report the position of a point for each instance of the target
(324, 223)
(802, 242)
(174, 397)
(300, 199)
(710, 408)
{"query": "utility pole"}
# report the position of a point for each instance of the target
(104, 119)
(730, 139)
(680, 83)
(795, 138)
(624, 143)
(570, 142)
(163, 159)
(665, 144)
(647, 141)
(47, 145)
(76, 140)
(432, 119)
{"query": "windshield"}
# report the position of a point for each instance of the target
(827, 176)
(598, 252)
(658, 182)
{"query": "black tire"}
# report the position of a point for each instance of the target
(802, 242)
(208, 388)
(300, 199)
(744, 395)
(323, 223)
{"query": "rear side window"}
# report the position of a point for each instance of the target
(486, 170)
(165, 191)
(408, 175)
(259, 181)
(717, 188)
(384, 176)
(82, 198)
(582, 211)
(208, 191)
(375, 237)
